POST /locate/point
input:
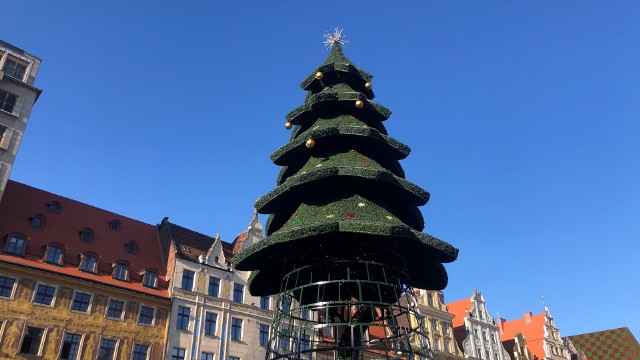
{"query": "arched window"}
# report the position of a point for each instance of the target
(114, 225)
(16, 245)
(54, 254)
(120, 271)
(37, 221)
(86, 235)
(131, 247)
(54, 207)
(89, 263)
(150, 279)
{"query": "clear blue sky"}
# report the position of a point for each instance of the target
(523, 117)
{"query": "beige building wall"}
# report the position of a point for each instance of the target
(439, 324)
(221, 344)
(18, 70)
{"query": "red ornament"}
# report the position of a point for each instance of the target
(350, 215)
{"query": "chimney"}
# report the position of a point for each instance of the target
(527, 317)
(501, 322)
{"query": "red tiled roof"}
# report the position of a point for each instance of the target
(608, 344)
(531, 327)
(20, 202)
(459, 309)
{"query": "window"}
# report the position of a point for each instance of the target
(86, 235)
(130, 247)
(234, 358)
(37, 221)
(177, 354)
(283, 343)
(107, 349)
(145, 316)
(115, 309)
(238, 292)
(236, 329)
(436, 344)
(70, 346)
(206, 356)
(304, 314)
(7, 101)
(54, 255)
(120, 271)
(447, 346)
(54, 207)
(304, 342)
(81, 302)
(44, 294)
(445, 327)
(182, 321)
(210, 323)
(88, 263)
(214, 286)
(140, 352)
(264, 334)
(32, 341)
(15, 245)
(150, 279)
(430, 299)
(434, 324)
(6, 286)
(114, 225)
(14, 69)
(326, 331)
(264, 302)
(187, 279)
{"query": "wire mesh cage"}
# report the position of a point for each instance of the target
(347, 309)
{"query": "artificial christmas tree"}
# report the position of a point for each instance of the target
(344, 244)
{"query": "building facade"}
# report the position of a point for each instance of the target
(18, 70)
(213, 314)
(439, 323)
(542, 336)
(475, 330)
(78, 282)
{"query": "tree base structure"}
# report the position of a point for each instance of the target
(347, 309)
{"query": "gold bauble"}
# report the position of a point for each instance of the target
(287, 125)
(359, 104)
(319, 75)
(310, 143)
(367, 85)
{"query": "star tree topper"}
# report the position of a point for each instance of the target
(334, 38)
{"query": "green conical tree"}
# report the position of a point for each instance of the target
(341, 193)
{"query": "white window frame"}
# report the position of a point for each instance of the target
(80, 346)
(44, 337)
(194, 280)
(149, 347)
(153, 319)
(15, 286)
(115, 349)
(90, 302)
(188, 329)
(3, 325)
(53, 300)
(124, 307)
(242, 326)
(204, 322)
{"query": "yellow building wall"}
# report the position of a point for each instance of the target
(18, 312)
